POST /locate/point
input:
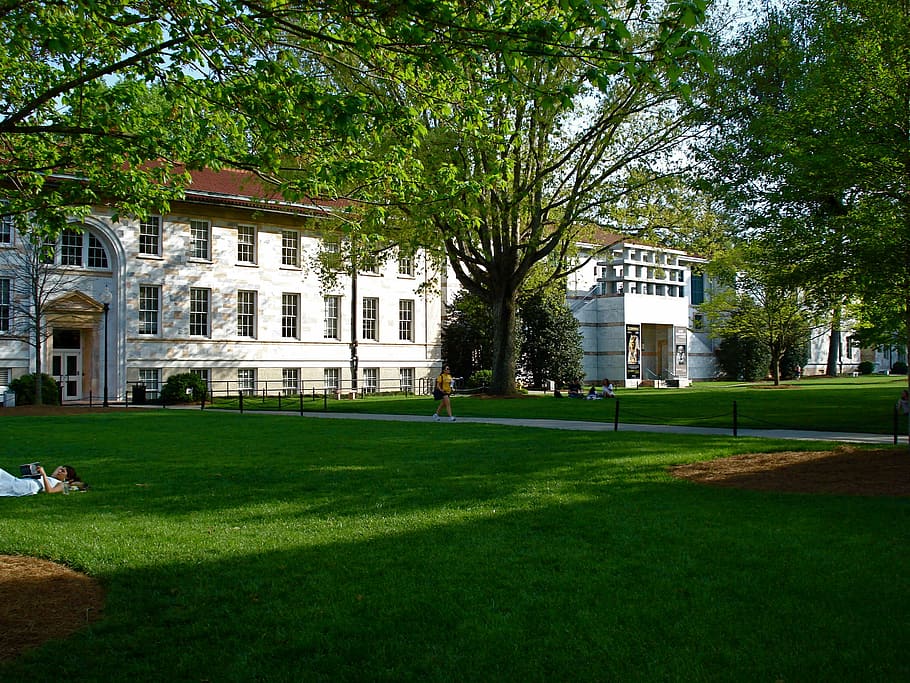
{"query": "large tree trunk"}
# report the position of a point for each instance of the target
(505, 309)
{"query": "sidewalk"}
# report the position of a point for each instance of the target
(843, 437)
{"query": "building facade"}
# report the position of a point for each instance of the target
(636, 306)
(223, 286)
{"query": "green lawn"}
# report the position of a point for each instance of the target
(279, 548)
(861, 404)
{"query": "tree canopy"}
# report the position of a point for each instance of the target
(812, 144)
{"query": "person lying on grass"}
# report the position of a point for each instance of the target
(62, 480)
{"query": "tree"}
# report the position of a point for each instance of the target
(812, 144)
(762, 307)
(521, 168)
(466, 340)
(36, 281)
(550, 338)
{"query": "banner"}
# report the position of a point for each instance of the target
(680, 335)
(633, 351)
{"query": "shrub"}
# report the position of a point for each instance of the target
(742, 358)
(25, 390)
(899, 368)
(480, 379)
(866, 367)
(175, 388)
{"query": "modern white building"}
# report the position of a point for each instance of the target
(222, 286)
(635, 303)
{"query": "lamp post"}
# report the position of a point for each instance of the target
(106, 301)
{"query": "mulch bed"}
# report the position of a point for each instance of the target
(845, 471)
(42, 600)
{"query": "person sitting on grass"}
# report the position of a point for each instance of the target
(62, 480)
(606, 391)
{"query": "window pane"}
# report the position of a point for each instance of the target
(246, 244)
(150, 236)
(200, 235)
(246, 314)
(5, 305)
(406, 379)
(370, 322)
(148, 309)
(406, 320)
(71, 248)
(6, 229)
(97, 256)
(199, 312)
(370, 380)
(289, 248)
(289, 315)
(290, 379)
(330, 329)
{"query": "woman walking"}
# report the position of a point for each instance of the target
(442, 392)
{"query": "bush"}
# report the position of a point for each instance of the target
(866, 367)
(743, 359)
(899, 368)
(480, 379)
(175, 388)
(25, 390)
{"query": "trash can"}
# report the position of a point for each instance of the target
(139, 394)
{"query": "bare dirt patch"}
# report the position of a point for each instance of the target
(846, 470)
(42, 600)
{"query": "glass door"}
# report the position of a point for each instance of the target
(66, 364)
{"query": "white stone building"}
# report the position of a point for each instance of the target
(222, 286)
(635, 303)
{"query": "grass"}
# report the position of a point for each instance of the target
(259, 547)
(861, 404)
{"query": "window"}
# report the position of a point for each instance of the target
(370, 380)
(331, 378)
(97, 256)
(4, 377)
(406, 379)
(405, 264)
(290, 381)
(246, 313)
(331, 255)
(77, 249)
(150, 236)
(6, 229)
(5, 305)
(151, 378)
(200, 240)
(290, 248)
(290, 307)
(149, 309)
(330, 326)
(246, 381)
(199, 312)
(246, 244)
(697, 290)
(406, 319)
(205, 376)
(70, 248)
(370, 321)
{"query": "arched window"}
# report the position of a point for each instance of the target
(82, 250)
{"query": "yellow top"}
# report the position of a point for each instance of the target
(444, 383)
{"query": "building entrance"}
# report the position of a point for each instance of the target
(66, 363)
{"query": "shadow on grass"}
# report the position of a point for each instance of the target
(482, 553)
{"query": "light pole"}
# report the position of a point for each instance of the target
(106, 301)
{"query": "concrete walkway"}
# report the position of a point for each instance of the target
(843, 437)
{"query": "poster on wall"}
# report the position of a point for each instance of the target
(633, 352)
(682, 361)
